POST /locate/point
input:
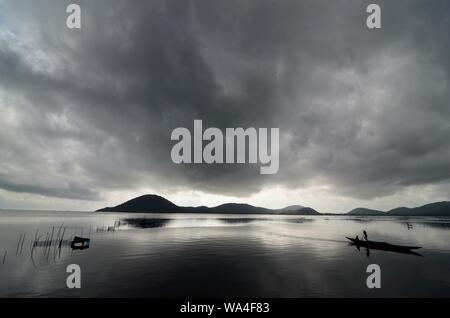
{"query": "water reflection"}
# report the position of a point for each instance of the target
(145, 222)
(242, 220)
(149, 222)
(438, 225)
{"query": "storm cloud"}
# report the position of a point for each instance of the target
(363, 113)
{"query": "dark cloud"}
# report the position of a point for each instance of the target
(90, 111)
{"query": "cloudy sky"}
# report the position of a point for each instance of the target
(86, 115)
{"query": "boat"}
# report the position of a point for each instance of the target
(384, 246)
(80, 243)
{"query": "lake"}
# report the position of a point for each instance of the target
(218, 255)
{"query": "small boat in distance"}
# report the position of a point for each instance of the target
(384, 246)
(80, 243)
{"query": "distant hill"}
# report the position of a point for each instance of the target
(291, 208)
(432, 209)
(151, 203)
(239, 208)
(303, 211)
(364, 211)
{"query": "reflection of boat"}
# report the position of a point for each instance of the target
(80, 243)
(384, 246)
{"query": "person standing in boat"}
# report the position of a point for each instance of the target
(365, 235)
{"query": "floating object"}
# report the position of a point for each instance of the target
(80, 243)
(384, 246)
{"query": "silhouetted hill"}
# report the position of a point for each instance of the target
(147, 203)
(156, 204)
(297, 210)
(291, 208)
(432, 209)
(303, 211)
(239, 208)
(364, 211)
(151, 203)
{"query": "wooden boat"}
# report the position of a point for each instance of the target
(80, 243)
(381, 245)
(384, 246)
(373, 244)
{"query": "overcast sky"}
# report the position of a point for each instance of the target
(86, 115)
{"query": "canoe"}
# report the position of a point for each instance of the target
(382, 245)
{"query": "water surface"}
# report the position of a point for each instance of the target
(217, 255)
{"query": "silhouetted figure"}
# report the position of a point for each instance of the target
(357, 238)
(365, 235)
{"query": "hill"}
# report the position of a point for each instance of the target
(364, 211)
(432, 209)
(151, 203)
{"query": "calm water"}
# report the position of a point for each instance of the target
(195, 255)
